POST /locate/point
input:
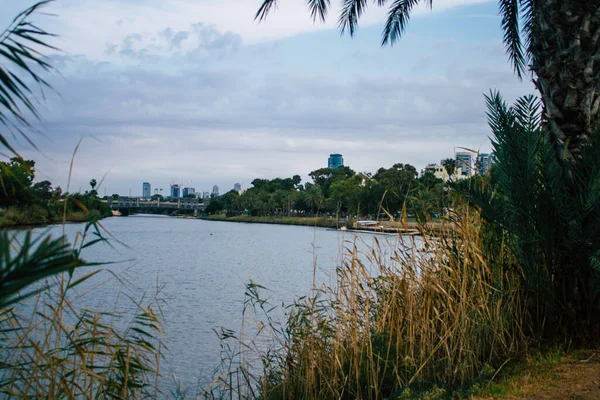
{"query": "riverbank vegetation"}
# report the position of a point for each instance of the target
(322, 222)
(341, 192)
(441, 317)
(23, 201)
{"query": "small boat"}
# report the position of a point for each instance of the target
(366, 223)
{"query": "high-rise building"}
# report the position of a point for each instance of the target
(237, 187)
(188, 190)
(215, 191)
(146, 190)
(483, 163)
(335, 161)
(205, 196)
(464, 162)
(175, 191)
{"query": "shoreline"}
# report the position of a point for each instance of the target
(409, 228)
(29, 225)
(320, 222)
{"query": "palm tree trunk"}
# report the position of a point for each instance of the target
(565, 47)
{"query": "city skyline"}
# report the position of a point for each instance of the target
(468, 163)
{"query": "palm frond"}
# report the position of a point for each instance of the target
(397, 20)
(264, 9)
(509, 10)
(36, 259)
(318, 9)
(350, 14)
(527, 16)
(21, 44)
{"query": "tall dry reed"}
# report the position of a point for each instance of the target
(52, 348)
(443, 309)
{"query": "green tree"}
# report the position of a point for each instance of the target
(43, 191)
(429, 180)
(347, 195)
(557, 40)
(392, 186)
(230, 201)
(93, 192)
(16, 178)
(555, 238)
(450, 166)
(315, 198)
(325, 177)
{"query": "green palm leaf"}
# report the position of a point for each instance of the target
(35, 259)
(21, 44)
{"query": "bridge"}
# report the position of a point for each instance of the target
(139, 204)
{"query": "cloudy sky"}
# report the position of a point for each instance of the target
(197, 92)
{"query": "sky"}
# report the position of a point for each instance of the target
(196, 92)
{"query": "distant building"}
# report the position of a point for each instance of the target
(188, 190)
(438, 170)
(146, 190)
(237, 187)
(464, 163)
(175, 190)
(205, 196)
(483, 163)
(215, 191)
(335, 161)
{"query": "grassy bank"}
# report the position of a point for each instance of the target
(37, 216)
(323, 222)
(411, 226)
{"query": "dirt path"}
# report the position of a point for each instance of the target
(574, 378)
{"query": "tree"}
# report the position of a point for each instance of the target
(16, 178)
(393, 184)
(555, 238)
(43, 191)
(558, 40)
(346, 195)
(450, 166)
(314, 197)
(325, 177)
(93, 192)
(429, 180)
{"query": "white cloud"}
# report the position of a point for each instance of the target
(87, 25)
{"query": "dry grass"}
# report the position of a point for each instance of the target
(437, 310)
(51, 348)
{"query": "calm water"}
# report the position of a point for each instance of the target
(204, 267)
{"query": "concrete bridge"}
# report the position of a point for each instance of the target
(139, 204)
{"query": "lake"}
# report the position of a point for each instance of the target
(204, 267)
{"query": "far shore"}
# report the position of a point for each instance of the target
(36, 223)
(408, 227)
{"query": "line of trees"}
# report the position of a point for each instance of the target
(27, 201)
(341, 192)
